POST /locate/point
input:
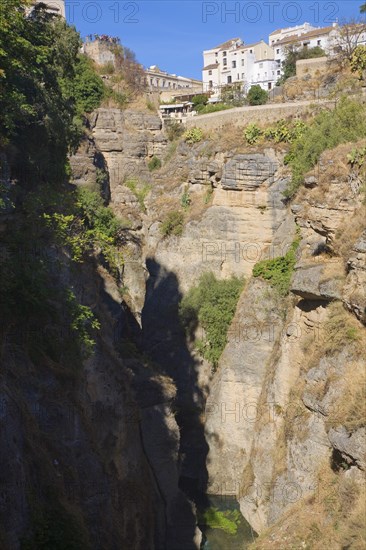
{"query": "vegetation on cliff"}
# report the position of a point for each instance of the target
(46, 86)
(210, 305)
(278, 271)
(346, 123)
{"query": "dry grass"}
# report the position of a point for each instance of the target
(333, 517)
(350, 409)
(348, 233)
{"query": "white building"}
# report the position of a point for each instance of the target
(235, 62)
(300, 37)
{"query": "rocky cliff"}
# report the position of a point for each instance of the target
(284, 407)
(145, 424)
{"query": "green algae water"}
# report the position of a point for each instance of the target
(222, 525)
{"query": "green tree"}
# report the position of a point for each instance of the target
(88, 86)
(363, 8)
(257, 96)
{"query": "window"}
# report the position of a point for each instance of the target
(210, 72)
(229, 79)
(269, 85)
(238, 76)
(242, 76)
(319, 42)
(224, 62)
(250, 51)
(210, 84)
(223, 54)
(233, 63)
(261, 65)
(278, 50)
(242, 62)
(278, 72)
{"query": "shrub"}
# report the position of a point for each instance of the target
(175, 130)
(139, 191)
(154, 163)
(252, 133)
(194, 135)
(211, 304)
(327, 130)
(257, 96)
(186, 199)
(199, 99)
(278, 271)
(358, 61)
(212, 108)
(150, 105)
(286, 132)
(173, 224)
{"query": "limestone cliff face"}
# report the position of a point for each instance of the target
(283, 402)
(286, 400)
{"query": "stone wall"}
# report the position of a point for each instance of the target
(310, 66)
(260, 114)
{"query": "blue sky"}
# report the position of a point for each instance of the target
(173, 34)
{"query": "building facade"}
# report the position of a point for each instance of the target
(234, 62)
(300, 37)
(158, 80)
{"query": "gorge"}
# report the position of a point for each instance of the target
(117, 431)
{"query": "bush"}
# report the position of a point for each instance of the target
(358, 61)
(173, 224)
(199, 99)
(194, 135)
(278, 271)
(252, 134)
(346, 123)
(212, 108)
(154, 163)
(174, 131)
(286, 132)
(186, 199)
(211, 304)
(257, 96)
(139, 191)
